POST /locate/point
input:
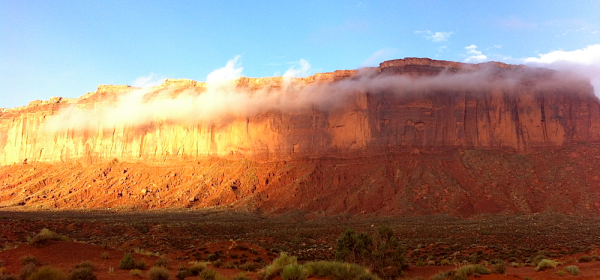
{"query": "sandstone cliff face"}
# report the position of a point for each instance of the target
(512, 108)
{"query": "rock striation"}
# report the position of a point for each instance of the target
(412, 105)
(411, 137)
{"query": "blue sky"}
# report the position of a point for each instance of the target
(67, 48)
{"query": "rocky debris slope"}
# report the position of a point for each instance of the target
(460, 182)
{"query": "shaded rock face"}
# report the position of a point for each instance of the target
(414, 105)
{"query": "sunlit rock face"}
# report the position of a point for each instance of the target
(408, 105)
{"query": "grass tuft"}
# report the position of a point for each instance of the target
(85, 272)
(337, 270)
(499, 268)
(47, 273)
(135, 272)
(183, 272)
(29, 259)
(44, 236)
(278, 265)
(293, 272)
(159, 273)
(27, 270)
(197, 267)
(241, 276)
(572, 269)
(545, 264)
(210, 274)
(162, 262)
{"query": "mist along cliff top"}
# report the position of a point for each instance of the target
(407, 105)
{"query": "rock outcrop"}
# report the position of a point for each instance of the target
(492, 106)
(410, 137)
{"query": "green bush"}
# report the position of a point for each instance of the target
(230, 265)
(47, 273)
(472, 269)
(241, 276)
(162, 262)
(197, 267)
(210, 274)
(353, 247)
(82, 273)
(278, 265)
(27, 270)
(127, 262)
(44, 236)
(320, 269)
(29, 259)
(462, 272)
(212, 257)
(451, 274)
(250, 266)
(336, 270)
(217, 263)
(561, 273)
(584, 259)
(573, 269)
(159, 273)
(86, 264)
(499, 268)
(545, 264)
(382, 253)
(141, 265)
(293, 272)
(367, 276)
(183, 272)
(135, 272)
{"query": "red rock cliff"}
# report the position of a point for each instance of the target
(416, 105)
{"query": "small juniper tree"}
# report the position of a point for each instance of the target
(387, 252)
(127, 262)
(353, 247)
(383, 252)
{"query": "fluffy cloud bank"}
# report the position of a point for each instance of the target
(475, 56)
(588, 56)
(584, 62)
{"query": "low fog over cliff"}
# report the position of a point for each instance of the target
(402, 105)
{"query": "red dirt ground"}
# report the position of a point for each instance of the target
(65, 255)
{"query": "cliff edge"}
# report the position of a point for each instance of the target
(412, 104)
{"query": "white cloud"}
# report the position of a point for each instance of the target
(380, 56)
(588, 55)
(148, 81)
(442, 49)
(435, 37)
(302, 71)
(474, 55)
(584, 62)
(230, 71)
